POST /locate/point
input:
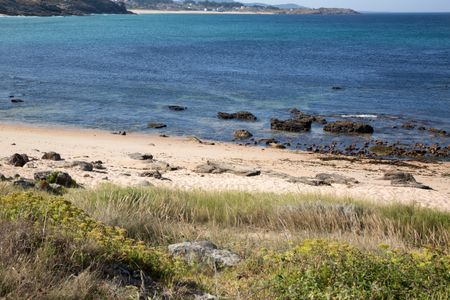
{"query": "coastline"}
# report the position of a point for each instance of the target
(180, 156)
(195, 12)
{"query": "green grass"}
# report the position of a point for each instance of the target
(293, 246)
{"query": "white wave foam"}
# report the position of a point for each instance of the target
(360, 116)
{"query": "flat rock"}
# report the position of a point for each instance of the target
(219, 168)
(336, 179)
(240, 115)
(204, 252)
(155, 125)
(348, 127)
(24, 183)
(51, 156)
(140, 156)
(18, 160)
(403, 179)
(291, 125)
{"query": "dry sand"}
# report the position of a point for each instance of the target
(185, 153)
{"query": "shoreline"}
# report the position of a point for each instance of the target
(196, 12)
(178, 159)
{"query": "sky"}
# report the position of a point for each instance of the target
(375, 5)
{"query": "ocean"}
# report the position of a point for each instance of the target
(119, 72)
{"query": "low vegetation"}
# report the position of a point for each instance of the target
(110, 243)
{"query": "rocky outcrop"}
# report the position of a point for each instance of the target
(204, 252)
(240, 115)
(219, 168)
(348, 127)
(60, 7)
(291, 125)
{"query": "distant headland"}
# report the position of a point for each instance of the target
(87, 7)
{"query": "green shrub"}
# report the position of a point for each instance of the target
(318, 269)
(63, 216)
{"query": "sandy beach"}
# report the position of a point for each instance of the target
(178, 157)
(152, 11)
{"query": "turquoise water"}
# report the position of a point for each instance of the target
(120, 72)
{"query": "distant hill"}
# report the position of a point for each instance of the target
(60, 7)
(280, 6)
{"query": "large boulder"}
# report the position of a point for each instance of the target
(18, 160)
(240, 115)
(291, 125)
(204, 252)
(348, 127)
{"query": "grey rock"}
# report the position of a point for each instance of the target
(219, 168)
(24, 183)
(51, 156)
(84, 166)
(242, 134)
(336, 178)
(18, 160)
(140, 156)
(152, 173)
(204, 252)
(402, 179)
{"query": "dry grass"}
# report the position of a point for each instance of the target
(162, 216)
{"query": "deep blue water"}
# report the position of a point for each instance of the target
(119, 72)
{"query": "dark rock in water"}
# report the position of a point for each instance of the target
(140, 156)
(219, 168)
(403, 179)
(439, 132)
(291, 125)
(156, 125)
(60, 8)
(299, 115)
(421, 128)
(51, 156)
(204, 252)
(348, 127)
(18, 160)
(267, 141)
(176, 107)
(242, 134)
(337, 88)
(241, 115)
(24, 183)
(16, 100)
(408, 125)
